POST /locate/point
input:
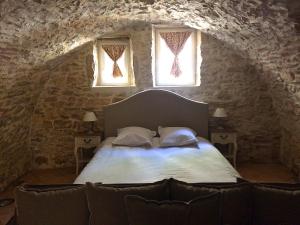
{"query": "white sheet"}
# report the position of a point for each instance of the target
(113, 164)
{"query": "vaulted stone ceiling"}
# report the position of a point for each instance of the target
(46, 29)
(37, 34)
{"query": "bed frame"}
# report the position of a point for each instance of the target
(153, 108)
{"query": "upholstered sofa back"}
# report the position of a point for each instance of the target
(241, 203)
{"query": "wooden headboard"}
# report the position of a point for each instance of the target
(153, 108)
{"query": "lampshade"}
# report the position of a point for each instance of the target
(89, 117)
(220, 112)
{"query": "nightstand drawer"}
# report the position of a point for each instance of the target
(223, 138)
(84, 148)
(226, 138)
(88, 142)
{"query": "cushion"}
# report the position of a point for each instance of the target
(134, 136)
(200, 211)
(148, 212)
(235, 197)
(276, 205)
(52, 207)
(176, 136)
(107, 206)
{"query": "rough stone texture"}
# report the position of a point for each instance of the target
(36, 36)
(227, 80)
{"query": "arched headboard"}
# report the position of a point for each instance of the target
(153, 108)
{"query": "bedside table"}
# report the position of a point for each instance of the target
(226, 137)
(83, 145)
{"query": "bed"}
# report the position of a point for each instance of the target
(150, 109)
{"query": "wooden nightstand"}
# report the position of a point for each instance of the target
(226, 137)
(84, 148)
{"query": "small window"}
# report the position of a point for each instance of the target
(177, 57)
(114, 62)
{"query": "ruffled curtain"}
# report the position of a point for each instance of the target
(115, 52)
(175, 41)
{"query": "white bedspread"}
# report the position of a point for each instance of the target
(140, 165)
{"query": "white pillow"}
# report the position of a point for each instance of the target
(134, 136)
(176, 136)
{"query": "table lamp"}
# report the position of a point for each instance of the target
(220, 114)
(90, 118)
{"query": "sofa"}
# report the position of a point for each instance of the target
(166, 202)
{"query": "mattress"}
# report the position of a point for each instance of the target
(193, 164)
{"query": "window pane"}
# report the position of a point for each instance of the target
(106, 64)
(187, 60)
(106, 71)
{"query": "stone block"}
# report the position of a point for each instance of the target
(62, 124)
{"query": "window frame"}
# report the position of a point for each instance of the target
(99, 51)
(155, 51)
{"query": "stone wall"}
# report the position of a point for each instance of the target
(286, 100)
(227, 80)
(17, 99)
(37, 35)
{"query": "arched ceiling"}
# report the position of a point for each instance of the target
(44, 29)
(36, 34)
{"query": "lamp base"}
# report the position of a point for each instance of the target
(220, 128)
(89, 132)
(90, 129)
(221, 124)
